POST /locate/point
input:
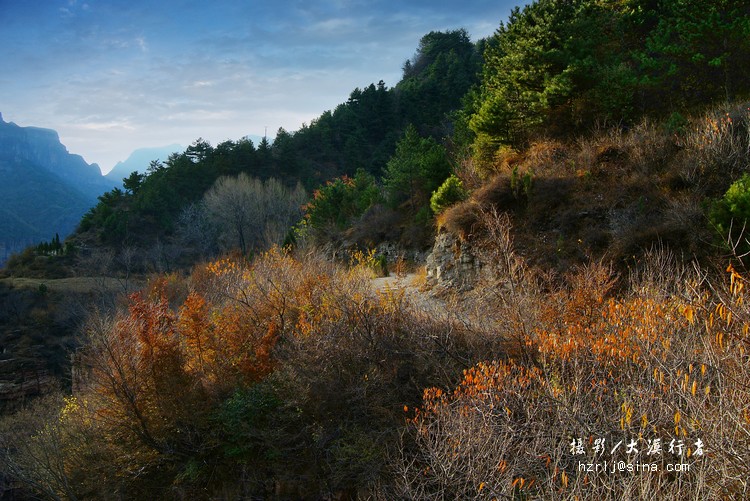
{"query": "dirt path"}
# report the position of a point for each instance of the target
(411, 287)
(437, 306)
(75, 285)
(394, 282)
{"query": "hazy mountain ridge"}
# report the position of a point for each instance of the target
(42, 147)
(139, 161)
(44, 189)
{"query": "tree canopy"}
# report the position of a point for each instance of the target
(562, 65)
(360, 134)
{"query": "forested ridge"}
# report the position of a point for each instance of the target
(584, 176)
(358, 135)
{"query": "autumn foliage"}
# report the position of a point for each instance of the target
(291, 377)
(666, 374)
(247, 379)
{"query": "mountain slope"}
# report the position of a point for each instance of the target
(43, 188)
(42, 147)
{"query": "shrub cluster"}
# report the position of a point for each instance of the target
(449, 193)
(655, 376)
(291, 377)
(284, 374)
(730, 215)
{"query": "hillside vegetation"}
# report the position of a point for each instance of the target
(593, 159)
(291, 378)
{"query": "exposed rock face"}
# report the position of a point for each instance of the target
(342, 251)
(17, 386)
(452, 263)
(393, 252)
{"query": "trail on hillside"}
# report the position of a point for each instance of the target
(407, 283)
(438, 306)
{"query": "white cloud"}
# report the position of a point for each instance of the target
(121, 125)
(334, 26)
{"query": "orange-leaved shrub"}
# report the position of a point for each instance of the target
(639, 395)
(284, 376)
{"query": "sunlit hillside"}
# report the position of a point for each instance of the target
(520, 273)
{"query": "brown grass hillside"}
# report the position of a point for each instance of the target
(613, 194)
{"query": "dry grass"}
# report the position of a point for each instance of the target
(663, 367)
(460, 219)
(78, 285)
(419, 278)
(614, 193)
(719, 145)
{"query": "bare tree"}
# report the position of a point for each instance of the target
(251, 213)
(197, 231)
(127, 259)
(283, 208)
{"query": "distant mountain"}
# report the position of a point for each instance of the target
(139, 161)
(34, 205)
(42, 147)
(44, 189)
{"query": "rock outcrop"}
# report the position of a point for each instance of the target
(393, 252)
(16, 386)
(452, 263)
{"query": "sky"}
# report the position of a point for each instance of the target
(112, 76)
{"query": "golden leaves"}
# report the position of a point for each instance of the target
(627, 331)
(627, 415)
(689, 313)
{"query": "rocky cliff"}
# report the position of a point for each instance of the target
(44, 189)
(20, 146)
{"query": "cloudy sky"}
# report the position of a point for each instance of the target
(115, 75)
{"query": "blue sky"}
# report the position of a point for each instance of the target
(113, 76)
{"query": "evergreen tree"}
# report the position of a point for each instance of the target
(418, 168)
(697, 52)
(557, 66)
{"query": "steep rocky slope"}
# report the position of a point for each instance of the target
(44, 189)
